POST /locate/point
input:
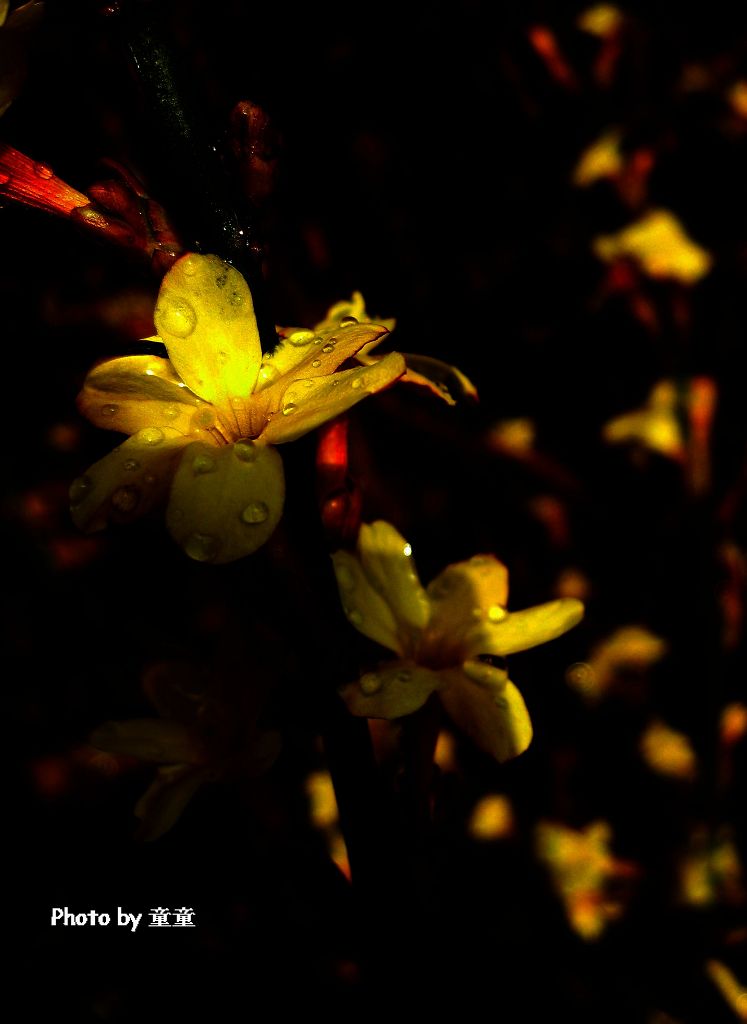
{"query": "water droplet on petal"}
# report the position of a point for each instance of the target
(202, 464)
(268, 372)
(356, 383)
(189, 266)
(407, 550)
(370, 683)
(496, 613)
(300, 338)
(79, 489)
(348, 321)
(354, 615)
(307, 383)
(329, 347)
(289, 408)
(43, 171)
(345, 577)
(125, 499)
(203, 418)
(150, 435)
(170, 412)
(175, 316)
(246, 451)
(202, 547)
(316, 363)
(109, 410)
(256, 512)
(130, 464)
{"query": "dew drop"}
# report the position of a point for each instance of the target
(255, 513)
(407, 550)
(246, 451)
(202, 547)
(151, 436)
(109, 410)
(130, 464)
(203, 418)
(289, 408)
(356, 383)
(307, 383)
(43, 171)
(79, 489)
(189, 266)
(370, 683)
(354, 616)
(268, 372)
(496, 613)
(170, 412)
(316, 363)
(301, 338)
(329, 347)
(202, 464)
(175, 316)
(348, 321)
(125, 499)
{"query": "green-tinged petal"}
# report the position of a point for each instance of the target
(129, 482)
(3, 10)
(442, 379)
(519, 631)
(161, 806)
(462, 595)
(150, 739)
(225, 502)
(365, 608)
(397, 689)
(485, 704)
(386, 558)
(134, 392)
(311, 401)
(205, 317)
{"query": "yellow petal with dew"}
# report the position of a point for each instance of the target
(150, 739)
(311, 401)
(353, 307)
(163, 803)
(225, 502)
(205, 317)
(364, 607)
(519, 631)
(444, 380)
(483, 702)
(386, 558)
(129, 482)
(134, 392)
(398, 688)
(460, 596)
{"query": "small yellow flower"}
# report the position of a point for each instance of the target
(439, 635)
(602, 20)
(203, 422)
(602, 159)
(207, 732)
(659, 245)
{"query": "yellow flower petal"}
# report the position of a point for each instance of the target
(354, 308)
(150, 739)
(602, 159)
(442, 379)
(205, 317)
(460, 596)
(311, 401)
(134, 392)
(3, 10)
(519, 631)
(162, 804)
(364, 607)
(225, 502)
(397, 689)
(128, 482)
(658, 242)
(486, 705)
(386, 558)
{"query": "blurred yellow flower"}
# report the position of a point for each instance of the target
(601, 20)
(581, 868)
(439, 635)
(668, 752)
(628, 649)
(207, 732)
(602, 159)
(203, 422)
(659, 245)
(492, 818)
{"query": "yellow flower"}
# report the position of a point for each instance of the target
(602, 159)
(203, 422)
(439, 635)
(207, 732)
(661, 247)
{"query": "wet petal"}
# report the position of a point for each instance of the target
(365, 608)
(311, 401)
(205, 317)
(150, 739)
(397, 689)
(162, 804)
(225, 502)
(135, 392)
(128, 482)
(460, 596)
(519, 631)
(442, 379)
(485, 704)
(386, 558)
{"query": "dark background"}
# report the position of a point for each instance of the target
(425, 159)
